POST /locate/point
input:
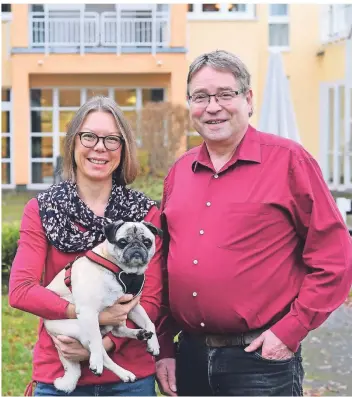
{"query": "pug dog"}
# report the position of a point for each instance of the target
(130, 246)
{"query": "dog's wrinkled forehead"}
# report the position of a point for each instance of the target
(133, 231)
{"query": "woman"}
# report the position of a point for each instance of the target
(68, 219)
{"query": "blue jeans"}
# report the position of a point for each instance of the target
(141, 387)
(230, 371)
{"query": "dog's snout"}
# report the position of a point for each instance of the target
(137, 255)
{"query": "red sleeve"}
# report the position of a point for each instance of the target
(327, 253)
(167, 328)
(152, 290)
(25, 291)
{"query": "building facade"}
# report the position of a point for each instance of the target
(54, 57)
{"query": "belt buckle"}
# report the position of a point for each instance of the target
(223, 341)
(214, 341)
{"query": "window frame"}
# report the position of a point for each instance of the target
(222, 15)
(56, 134)
(279, 20)
(329, 155)
(6, 106)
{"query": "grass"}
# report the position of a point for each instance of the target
(19, 333)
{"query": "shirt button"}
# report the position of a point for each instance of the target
(201, 232)
(208, 204)
(195, 262)
(194, 294)
(202, 324)
(216, 176)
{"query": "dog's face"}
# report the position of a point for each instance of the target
(131, 244)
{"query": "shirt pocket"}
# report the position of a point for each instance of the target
(247, 225)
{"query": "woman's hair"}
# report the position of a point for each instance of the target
(222, 60)
(126, 172)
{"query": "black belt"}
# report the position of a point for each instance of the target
(223, 340)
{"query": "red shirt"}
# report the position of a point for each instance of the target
(34, 254)
(260, 242)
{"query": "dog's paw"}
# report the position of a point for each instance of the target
(153, 346)
(127, 376)
(96, 365)
(65, 384)
(143, 334)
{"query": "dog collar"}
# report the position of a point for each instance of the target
(131, 283)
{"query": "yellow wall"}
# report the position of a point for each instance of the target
(249, 40)
(332, 62)
(5, 56)
(19, 26)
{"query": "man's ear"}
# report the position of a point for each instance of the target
(111, 229)
(155, 230)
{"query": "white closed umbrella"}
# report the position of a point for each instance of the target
(277, 115)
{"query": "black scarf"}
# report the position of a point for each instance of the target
(61, 210)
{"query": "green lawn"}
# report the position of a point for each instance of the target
(19, 332)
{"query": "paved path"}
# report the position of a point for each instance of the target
(327, 354)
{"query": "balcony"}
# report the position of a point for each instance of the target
(81, 31)
(336, 22)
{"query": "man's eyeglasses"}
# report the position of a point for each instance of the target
(223, 98)
(90, 140)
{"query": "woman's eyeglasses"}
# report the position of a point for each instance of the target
(90, 140)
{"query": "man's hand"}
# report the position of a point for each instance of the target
(117, 313)
(272, 347)
(166, 376)
(71, 348)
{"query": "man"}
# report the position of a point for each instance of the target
(258, 253)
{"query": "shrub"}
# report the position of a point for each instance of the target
(160, 129)
(10, 236)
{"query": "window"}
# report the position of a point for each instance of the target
(221, 11)
(335, 21)
(53, 108)
(5, 7)
(6, 139)
(6, 12)
(336, 133)
(278, 26)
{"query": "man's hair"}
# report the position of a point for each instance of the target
(126, 172)
(223, 61)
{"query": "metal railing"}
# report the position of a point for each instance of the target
(133, 29)
(336, 22)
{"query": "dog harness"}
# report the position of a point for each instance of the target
(131, 283)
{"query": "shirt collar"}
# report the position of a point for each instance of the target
(247, 150)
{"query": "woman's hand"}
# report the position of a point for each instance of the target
(71, 348)
(117, 313)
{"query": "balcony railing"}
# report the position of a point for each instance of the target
(118, 30)
(336, 22)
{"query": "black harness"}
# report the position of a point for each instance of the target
(131, 283)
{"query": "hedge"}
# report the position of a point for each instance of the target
(10, 236)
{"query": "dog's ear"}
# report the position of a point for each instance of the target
(155, 230)
(111, 229)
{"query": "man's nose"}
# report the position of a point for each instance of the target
(213, 105)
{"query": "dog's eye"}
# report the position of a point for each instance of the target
(122, 243)
(148, 243)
